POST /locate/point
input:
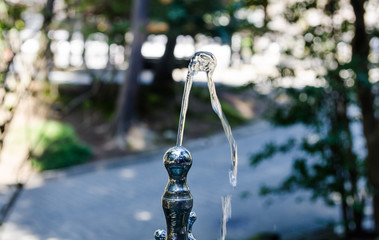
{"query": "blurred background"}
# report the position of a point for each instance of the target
(98, 85)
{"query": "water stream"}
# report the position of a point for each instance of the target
(226, 202)
(206, 62)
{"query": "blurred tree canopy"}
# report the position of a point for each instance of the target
(172, 18)
(336, 46)
(111, 18)
(184, 17)
(11, 23)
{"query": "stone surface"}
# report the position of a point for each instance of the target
(121, 199)
(7, 192)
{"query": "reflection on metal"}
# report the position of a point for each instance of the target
(177, 200)
(191, 221)
(160, 234)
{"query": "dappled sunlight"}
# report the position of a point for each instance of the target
(76, 50)
(221, 52)
(374, 75)
(36, 182)
(60, 77)
(13, 231)
(372, 14)
(127, 173)
(98, 191)
(143, 216)
(62, 54)
(16, 146)
(261, 65)
(96, 54)
(30, 46)
(154, 46)
(228, 76)
(185, 47)
(140, 137)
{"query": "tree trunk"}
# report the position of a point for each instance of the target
(46, 62)
(163, 80)
(128, 94)
(360, 49)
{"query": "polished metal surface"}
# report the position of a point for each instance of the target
(191, 221)
(160, 234)
(177, 199)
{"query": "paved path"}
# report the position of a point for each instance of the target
(121, 199)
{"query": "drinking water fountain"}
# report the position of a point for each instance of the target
(177, 200)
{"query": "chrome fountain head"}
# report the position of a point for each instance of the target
(177, 200)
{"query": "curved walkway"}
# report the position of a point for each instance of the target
(120, 199)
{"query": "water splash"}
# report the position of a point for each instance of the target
(206, 62)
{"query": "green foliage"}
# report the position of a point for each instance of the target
(294, 12)
(306, 106)
(211, 18)
(270, 149)
(200, 92)
(55, 145)
(185, 17)
(182, 17)
(327, 164)
(10, 20)
(10, 16)
(109, 17)
(241, 89)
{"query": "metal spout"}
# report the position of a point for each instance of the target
(177, 199)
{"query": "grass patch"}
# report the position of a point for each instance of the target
(55, 145)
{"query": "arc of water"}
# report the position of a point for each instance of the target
(206, 62)
(183, 111)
